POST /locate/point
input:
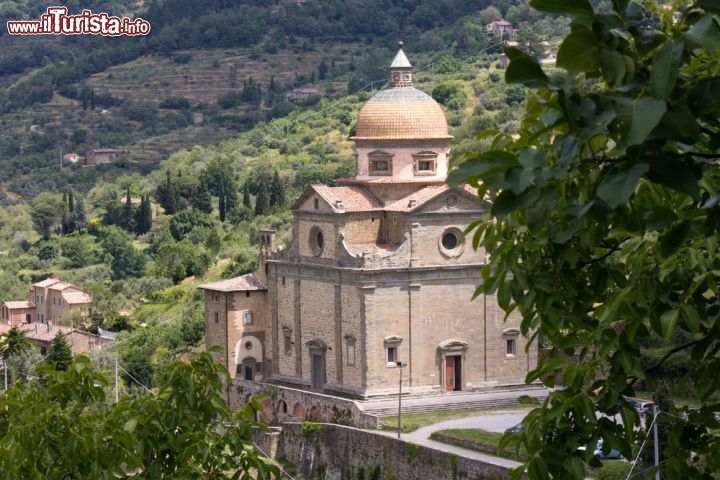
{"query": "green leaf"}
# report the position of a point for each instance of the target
(579, 52)
(671, 241)
(705, 32)
(639, 117)
(615, 189)
(482, 166)
(680, 124)
(703, 100)
(537, 469)
(665, 69)
(575, 466)
(614, 66)
(569, 7)
(130, 425)
(668, 322)
(675, 175)
(691, 318)
(524, 69)
(508, 202)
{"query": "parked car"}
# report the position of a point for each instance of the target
(613, 454)
(641, 406)
(515, 428)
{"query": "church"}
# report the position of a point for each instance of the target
(378, 277)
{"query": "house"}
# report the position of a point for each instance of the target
(500, 28)
(15, 312)
(43, 334)
(38, 316)
(301, 94)
(53, 298)
(378, 277)
(71, 158)
(97, 156)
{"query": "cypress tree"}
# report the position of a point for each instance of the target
(60, 353)
(277, 191)
(71, 223)
(143, 216)
(128, 219)
(246, 195)
(261, 200)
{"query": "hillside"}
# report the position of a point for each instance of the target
(234, 64)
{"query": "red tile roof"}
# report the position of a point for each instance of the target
(19, 304)
(352, 198)
(381, 249)
(243, 283)
(76, 298)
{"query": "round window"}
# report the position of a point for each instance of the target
(449, 240)
(316, 241)
(248, 345)
(452, 242)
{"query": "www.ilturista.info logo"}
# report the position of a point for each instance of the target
(57, 22)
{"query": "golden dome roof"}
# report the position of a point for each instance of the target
(401, 113)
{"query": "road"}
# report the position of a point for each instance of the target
(494, 422)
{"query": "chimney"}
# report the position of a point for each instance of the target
(412, 202)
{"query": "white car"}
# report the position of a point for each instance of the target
(598, 453)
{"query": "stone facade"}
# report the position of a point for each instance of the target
(379, 273)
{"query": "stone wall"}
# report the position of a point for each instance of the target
(345, 453)
(290, 404)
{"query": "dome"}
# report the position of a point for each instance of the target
(401, 113)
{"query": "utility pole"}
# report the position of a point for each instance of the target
(399, 427)
(117, 395)
(656, 447)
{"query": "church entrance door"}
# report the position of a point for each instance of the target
(452, 373)
(318, 371)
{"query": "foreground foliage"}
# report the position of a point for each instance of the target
(63, 427)
(604, 224)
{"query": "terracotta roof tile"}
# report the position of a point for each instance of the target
(380, 249)
(74, 298)
(19, 304)
(351, 198)
(243, 283)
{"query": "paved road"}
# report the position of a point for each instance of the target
(494, 422)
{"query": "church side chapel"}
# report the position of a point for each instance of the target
(378, 273)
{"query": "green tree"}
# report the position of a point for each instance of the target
(46, 212)
(59, 354)
(184, 222)
(143, 216)
(262, 196)
(125, 260)
(219, 178)
(182, 429)
(127, 220)
(15, 342)
(604, 225)
(246, 195)
(277, 191)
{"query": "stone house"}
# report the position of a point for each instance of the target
(15, 312)
(500, 28)
(53, 298)
(379, 274)
(100, 155)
